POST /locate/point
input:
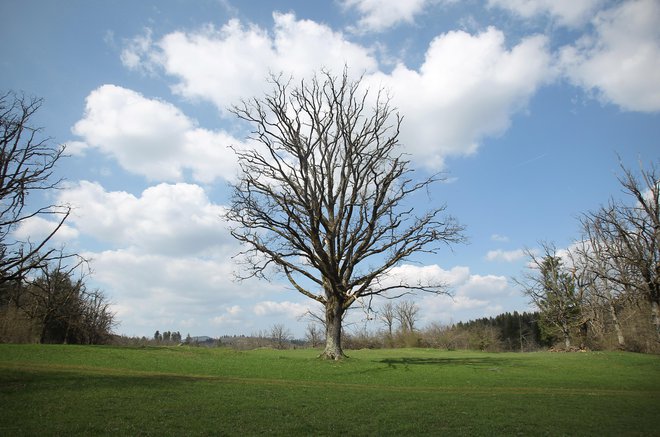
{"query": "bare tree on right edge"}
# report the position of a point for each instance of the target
(628, 235)
(27, 162)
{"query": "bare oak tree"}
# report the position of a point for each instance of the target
(313, 335)
(590, 255)
(626, 239)
(388, 316)
(406, 313)
(26, 167)
(322, 197)
(280, 336)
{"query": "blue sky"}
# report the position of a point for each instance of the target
(526, 104)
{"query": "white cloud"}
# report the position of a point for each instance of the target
(231, 316)
(472, 295)
(230, 63)
(37, 228)
(136, 50)
(505, 255)
(467, 303)
(499, 238)
(566, 12)
(459, 280)
(378, 15)
(170, 264)
(234, 310)
(445, 309)
(620, 63)
(475, 296)
(291, 310)
(185, 293)
(76, 148)
(468, 88)
(174, 219)
(429, 274)
(482, 286)
(152, 138)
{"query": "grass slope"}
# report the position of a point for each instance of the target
(80, 390)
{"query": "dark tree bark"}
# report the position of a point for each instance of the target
(321, 196)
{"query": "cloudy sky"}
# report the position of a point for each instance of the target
(527, 106)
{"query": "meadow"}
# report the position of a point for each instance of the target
(162, 391)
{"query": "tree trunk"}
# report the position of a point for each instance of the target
(655, 311)
(617, 327)
(42, 336)
(44, 329)
(567, 337)
(333, 317)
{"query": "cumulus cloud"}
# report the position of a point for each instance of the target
(378, 15)
(620, 62)
(152, 138)
(459, 279)
(467, 88)
(229, 63)
(164, 219)
(231, 316)
(169, 265)
(37, 228)
(505, 255)
(480, 286)
(470, 295)
(152, 291)
(425, 275)
(474, 296)
(291, 310)
(566, 12)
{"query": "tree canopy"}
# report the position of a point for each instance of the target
(322, 195)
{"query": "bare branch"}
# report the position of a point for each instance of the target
(324, 197)
(26, 166)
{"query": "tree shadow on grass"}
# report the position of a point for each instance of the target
(489, 362)
(73, 403)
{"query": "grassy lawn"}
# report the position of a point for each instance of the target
(81, 390)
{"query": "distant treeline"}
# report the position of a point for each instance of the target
(515, 331)
(505, 332)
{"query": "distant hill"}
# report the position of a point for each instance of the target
(201, 339)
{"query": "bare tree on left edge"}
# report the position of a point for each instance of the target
(27, 162)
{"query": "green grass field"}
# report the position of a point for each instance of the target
(82, 390)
